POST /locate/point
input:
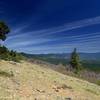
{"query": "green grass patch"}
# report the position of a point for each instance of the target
(91, 91)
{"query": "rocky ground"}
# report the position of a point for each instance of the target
(32, 81)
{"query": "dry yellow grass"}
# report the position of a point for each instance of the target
(35, 82)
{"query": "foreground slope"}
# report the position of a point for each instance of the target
(38, 82)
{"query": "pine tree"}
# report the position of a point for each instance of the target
(4, 30)
(75, 60)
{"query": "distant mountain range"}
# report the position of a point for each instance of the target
(88, 60)
(83, 56)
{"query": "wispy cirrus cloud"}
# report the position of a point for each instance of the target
(18, 41)
(61, 48)
(40, 40)
(65, 27)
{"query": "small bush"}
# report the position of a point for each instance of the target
(6, 74)
(8, 55)
(98, 82)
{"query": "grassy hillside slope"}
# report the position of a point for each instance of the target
(38, 82)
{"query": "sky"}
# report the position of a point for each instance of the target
(52, 26)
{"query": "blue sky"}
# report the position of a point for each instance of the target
(52, 26)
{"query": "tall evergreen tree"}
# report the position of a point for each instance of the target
(4, 30)
(75, 60)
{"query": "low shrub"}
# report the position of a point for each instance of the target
(98, 82)
(6, 74)
(8, 55)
